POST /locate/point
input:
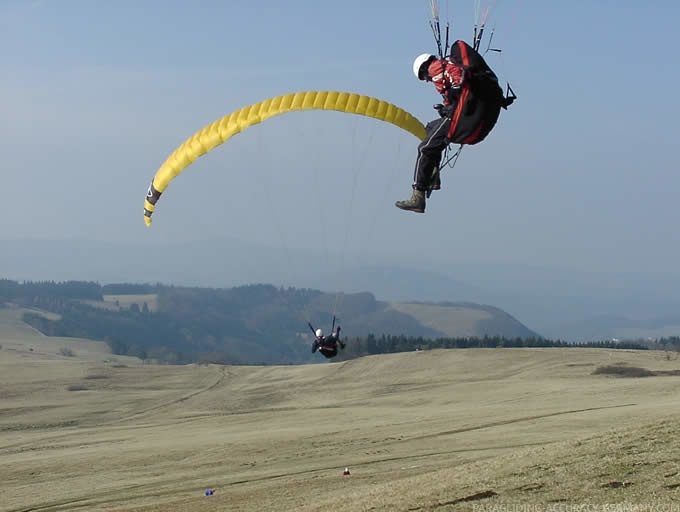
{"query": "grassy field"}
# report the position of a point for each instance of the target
(117, 302)
(422, 431)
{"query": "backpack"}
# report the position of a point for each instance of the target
(481, 97)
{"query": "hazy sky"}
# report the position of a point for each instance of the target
(582, 172)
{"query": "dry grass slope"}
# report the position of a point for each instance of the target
(422, 431)
(451, 320)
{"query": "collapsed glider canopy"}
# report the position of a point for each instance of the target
(223, 129)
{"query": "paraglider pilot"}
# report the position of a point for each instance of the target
(327, 345)
(447, 79)
(472, 101)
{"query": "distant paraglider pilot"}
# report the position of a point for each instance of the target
(327, 345)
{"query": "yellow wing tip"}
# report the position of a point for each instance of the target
(147, 221)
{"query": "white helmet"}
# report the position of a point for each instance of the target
(418, 63)
(319, 333)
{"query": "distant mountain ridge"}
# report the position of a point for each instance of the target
(557, 303)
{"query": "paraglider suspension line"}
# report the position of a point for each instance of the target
(445, 160)
(450, 160)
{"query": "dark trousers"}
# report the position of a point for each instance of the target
(430, 151)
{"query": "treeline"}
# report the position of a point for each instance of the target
(30, 292)
(386, 344)
(669, 342)
(27, 292)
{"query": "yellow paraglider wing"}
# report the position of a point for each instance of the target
(218, 132)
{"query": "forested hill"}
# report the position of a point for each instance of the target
(247, 325)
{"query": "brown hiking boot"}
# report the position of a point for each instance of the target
(416, 203)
